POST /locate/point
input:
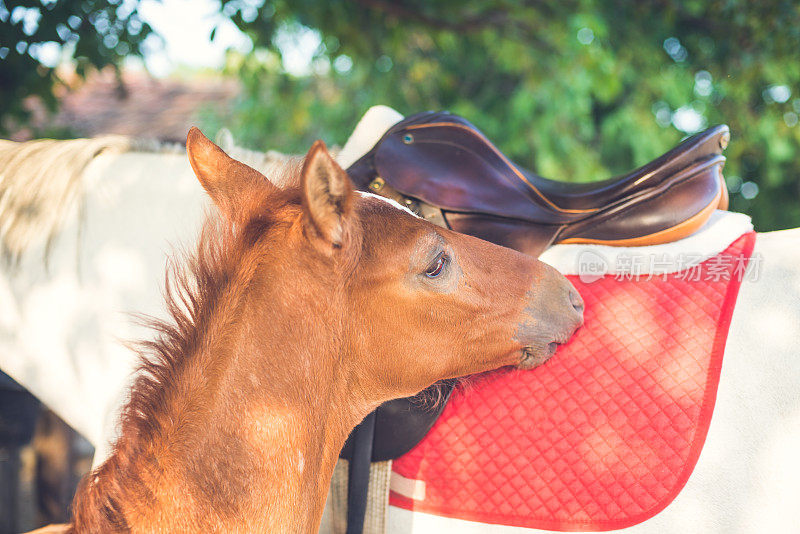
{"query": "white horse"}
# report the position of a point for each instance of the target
(108, 220)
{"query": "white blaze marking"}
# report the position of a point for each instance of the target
(389, 201)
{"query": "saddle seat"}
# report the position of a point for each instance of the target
(446, 169)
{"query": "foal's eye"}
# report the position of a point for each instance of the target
(437, 266)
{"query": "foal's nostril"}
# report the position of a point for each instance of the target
(576, 300)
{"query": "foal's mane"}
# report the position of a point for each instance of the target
(203, 290)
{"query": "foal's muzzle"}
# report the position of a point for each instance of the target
(554, 314)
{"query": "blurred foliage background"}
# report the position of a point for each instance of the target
(98, 34)
(574, 89)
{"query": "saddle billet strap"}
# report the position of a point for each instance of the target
(358, 474)
(387, 433)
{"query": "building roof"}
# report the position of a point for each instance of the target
(139, 106)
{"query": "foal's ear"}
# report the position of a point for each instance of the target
(327, 197)
(229, 183)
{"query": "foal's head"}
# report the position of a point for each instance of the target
(384, 300)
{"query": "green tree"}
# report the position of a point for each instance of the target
(94, 33)
(575, 89)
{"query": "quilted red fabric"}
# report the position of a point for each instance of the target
(606, 434)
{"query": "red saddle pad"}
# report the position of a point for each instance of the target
(604, 435)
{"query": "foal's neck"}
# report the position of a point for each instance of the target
(290, 421)
(268, 438)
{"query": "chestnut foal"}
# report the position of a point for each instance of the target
(301, 311)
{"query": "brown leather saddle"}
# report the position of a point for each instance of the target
(444, 169)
